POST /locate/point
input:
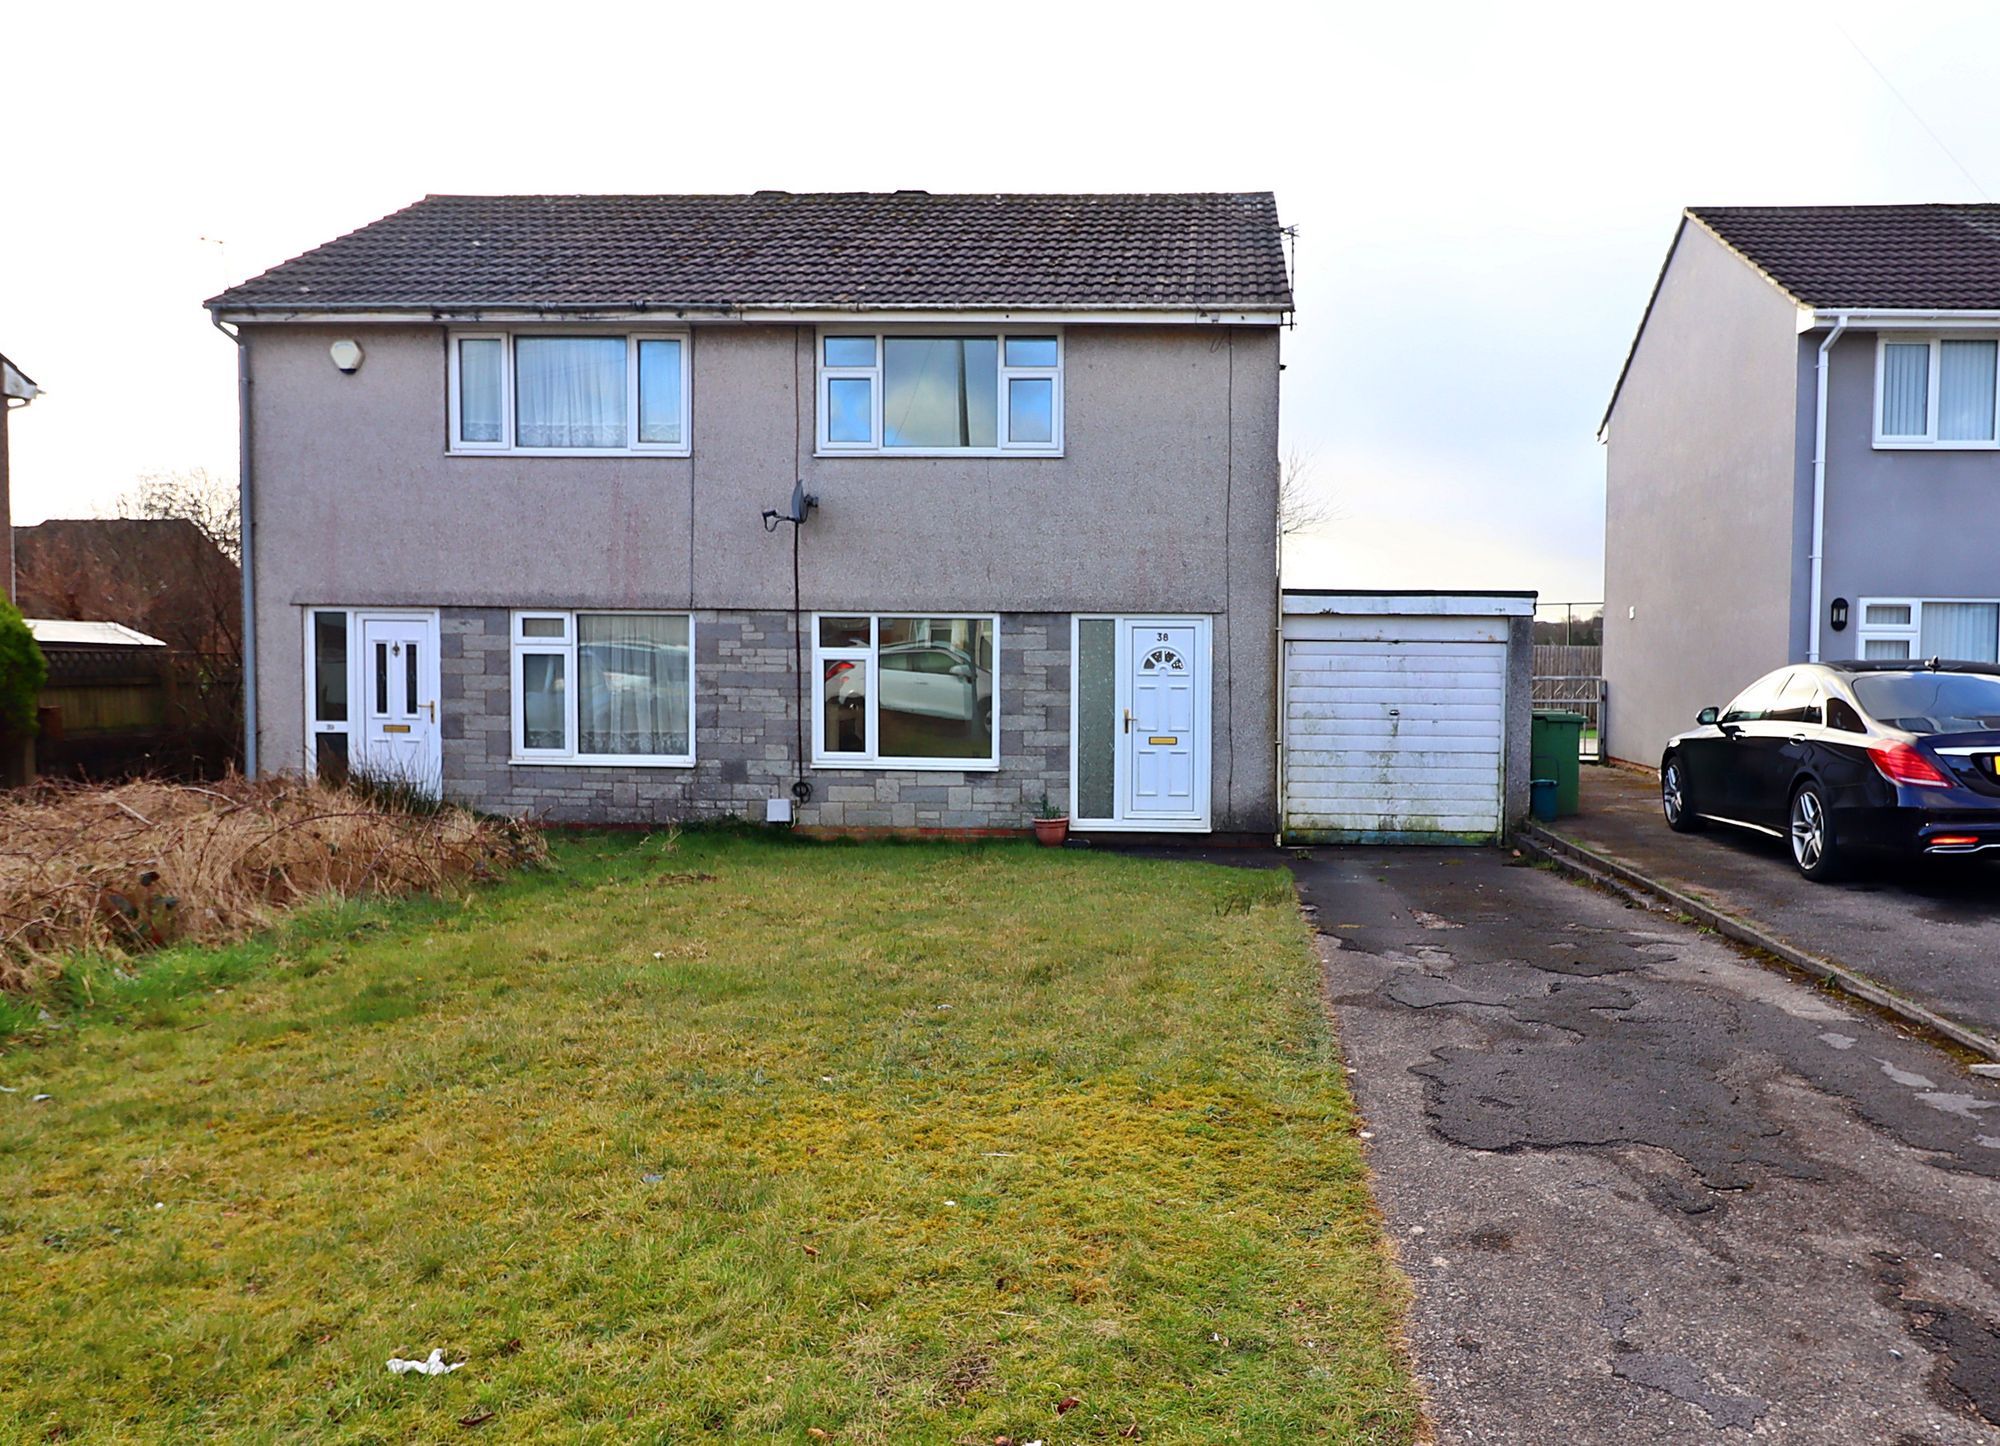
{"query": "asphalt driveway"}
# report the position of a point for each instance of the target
(1647, 1190)
(1928, 930)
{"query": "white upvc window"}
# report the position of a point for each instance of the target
(1937, 391)
(939, 393)
(605, 688)
(1963, 630)
(568, 393)
(906, 691)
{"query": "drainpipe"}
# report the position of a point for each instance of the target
(245, 552)
(1819, 493)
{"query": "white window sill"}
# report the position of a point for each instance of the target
(1886, 445)
(906, 765)
(1023, 453)
(530, 761)
(567, 451)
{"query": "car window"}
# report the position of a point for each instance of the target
(1758, 699)
(1931, 702)
(1800, 700)
(1840, 715)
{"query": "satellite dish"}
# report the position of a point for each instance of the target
(801, 500)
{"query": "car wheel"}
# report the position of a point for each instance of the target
(1674, 802)
(1814, 847)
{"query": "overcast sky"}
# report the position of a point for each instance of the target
(1483, 193)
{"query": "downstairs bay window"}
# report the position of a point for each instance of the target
(905, 692)
(603, 688)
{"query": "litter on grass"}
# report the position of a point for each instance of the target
(434, 1366)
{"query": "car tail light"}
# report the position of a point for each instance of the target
(1900, 763)
(834, 670)
(1952, 840)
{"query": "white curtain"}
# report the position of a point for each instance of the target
(1906, 389)
(1964, 632)
(570, 391)
(1965, 391)
(479, 389)
(632, 680)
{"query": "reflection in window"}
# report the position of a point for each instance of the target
(907, 689)
(660, 392)
(939, 391)
(330, 667)
(615, 687)
(924, 393)
(542, 708)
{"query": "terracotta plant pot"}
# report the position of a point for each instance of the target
(1050, 832)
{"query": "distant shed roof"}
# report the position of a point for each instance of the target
(1935, 257)
(69, 633)
(1220, 251)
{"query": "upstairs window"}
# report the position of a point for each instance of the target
(926, 394)
(531, 392)
(1938, 391)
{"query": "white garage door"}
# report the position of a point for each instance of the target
(1395, 735)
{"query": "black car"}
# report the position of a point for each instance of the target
(1842, 759)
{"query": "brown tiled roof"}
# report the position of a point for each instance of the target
(1217, 251)
(1921, 257)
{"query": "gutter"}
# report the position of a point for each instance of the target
(244, 549)
(1819, 490)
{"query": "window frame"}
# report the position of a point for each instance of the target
(316, 726)
(1911, 632)
(1929, 441)
(456, 445)
(520, 646)
(876, 446)
(869, 658)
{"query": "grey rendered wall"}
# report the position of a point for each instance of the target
(1700, 497)
(1164, 502)
(1899, 523)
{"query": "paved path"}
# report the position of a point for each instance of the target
(1929, 930)
(1648, 1191)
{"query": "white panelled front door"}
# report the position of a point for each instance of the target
(1162, 724)
(399, 738)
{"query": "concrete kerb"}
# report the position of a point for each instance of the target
(1587, 863)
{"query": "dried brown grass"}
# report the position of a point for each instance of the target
(128, 868)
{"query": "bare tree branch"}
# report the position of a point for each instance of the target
(1302, 505)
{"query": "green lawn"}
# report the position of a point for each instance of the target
(711, 1139)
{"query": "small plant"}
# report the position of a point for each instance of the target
(1048, 810)
(1051, 823)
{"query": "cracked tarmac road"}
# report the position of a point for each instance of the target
(1648, 1190)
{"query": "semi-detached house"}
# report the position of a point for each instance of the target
(521, 477)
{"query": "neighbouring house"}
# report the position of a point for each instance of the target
(896, 510)
(1802, 460)
(17, 389)
(163, 578)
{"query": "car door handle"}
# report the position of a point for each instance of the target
(1798, 738)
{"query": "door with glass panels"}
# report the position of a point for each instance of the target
(398, 738)
(1140, 726)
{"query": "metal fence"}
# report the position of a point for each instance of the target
(1571, 680)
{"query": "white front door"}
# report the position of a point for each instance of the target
(1139, 723)
(1162, 723)
(399, 736)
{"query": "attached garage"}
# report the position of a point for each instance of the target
(1405, 716)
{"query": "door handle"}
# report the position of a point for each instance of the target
(432, 708)
(1128, 720)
